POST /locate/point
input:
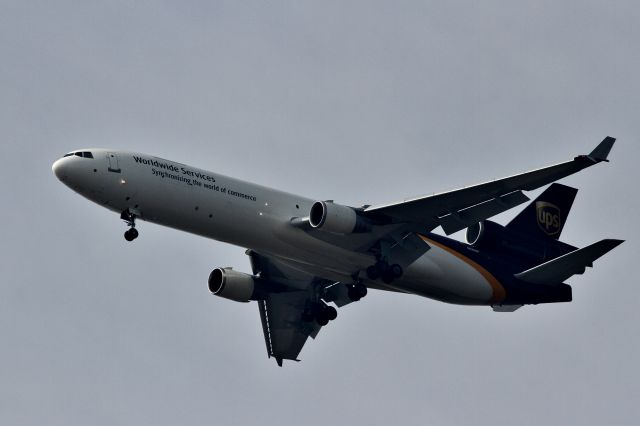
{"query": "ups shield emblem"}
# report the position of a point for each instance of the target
(548, 218)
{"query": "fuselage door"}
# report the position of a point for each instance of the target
(112, 160)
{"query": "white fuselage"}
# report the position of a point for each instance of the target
(257, 217)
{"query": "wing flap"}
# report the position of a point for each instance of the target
(459, 220)
(285, 332)
(281, 312)
(561, 268)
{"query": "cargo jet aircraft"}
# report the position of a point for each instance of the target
(307, 254)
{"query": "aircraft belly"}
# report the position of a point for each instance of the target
(441, 275)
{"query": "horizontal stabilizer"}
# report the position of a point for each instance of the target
(559, 269)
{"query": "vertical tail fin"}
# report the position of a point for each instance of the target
(546, 215)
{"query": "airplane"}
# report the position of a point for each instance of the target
(308, 255)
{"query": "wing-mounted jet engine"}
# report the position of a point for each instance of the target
(338, 219)
(234, 285)
(334, 218)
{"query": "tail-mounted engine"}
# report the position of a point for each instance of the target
(491, 235)
(330, 217)
(487, 235)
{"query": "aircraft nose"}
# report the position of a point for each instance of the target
(59, 168)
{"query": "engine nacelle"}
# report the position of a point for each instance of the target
(233, 285)
(488, 235)
(475, 233)
(330, 217)
(485, 234)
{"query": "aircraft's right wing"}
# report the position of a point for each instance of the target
(458, 209)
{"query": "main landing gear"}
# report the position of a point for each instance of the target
(320, 312)
(356, 291)
(382, 269)
(131, 233)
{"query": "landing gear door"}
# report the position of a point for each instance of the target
(112, 162)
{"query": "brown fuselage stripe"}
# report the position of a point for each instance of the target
(498, 290)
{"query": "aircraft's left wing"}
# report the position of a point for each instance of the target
(282, 314)
(458, 209)
(285, 333)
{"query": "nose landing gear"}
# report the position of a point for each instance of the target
(131, 233)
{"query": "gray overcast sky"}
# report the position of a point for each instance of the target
(361, 102)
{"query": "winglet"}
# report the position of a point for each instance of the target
(601, 152)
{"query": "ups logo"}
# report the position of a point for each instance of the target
(548, 217)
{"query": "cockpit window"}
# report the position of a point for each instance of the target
(83, 154)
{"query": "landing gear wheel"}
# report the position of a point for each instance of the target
(131, 234)
(356, 292)
(307, 315)
(322, 317)
(130, 218)
(381, 266)
(396, 270)
(351, 292)
(381, 269)
(373, 273)
(332, 313)
(387, 276)
(360, 289)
